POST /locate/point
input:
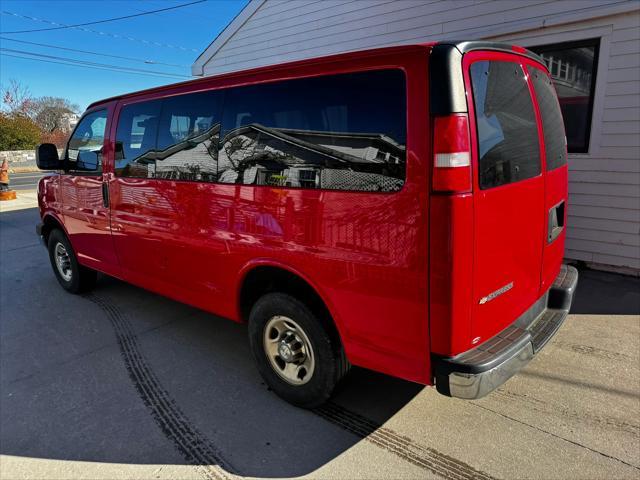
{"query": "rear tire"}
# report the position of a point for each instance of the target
(297, 355)
(72, 276)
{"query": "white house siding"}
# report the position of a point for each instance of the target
(604, 185)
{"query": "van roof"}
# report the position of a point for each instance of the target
(461, 47)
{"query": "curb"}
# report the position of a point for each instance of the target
(29, 169)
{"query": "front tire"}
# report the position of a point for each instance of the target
(295, 352)
(72, 276)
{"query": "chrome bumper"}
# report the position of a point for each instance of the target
(476, 372)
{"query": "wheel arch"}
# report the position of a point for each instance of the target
(50, 222)
(263, 276)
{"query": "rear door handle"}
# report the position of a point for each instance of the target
(105, 194)
(556, 222)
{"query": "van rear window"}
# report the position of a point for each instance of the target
(552, 124)
(508, 148)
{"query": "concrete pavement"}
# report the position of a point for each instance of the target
(125, 384)
(25, 199)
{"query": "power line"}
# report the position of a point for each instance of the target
(82, 66)
(148, 62)
(108, 34)
(62, 26)
(84, 63)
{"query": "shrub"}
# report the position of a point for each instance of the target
(58, 138)
(18, 132)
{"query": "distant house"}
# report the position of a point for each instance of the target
(69, 121)
(592, 49)
(258, 155)
(308, 158)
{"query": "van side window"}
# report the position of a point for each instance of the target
(84, 151)
(136, 139)
(187, 147)
(552, 124)
(508, 148)
(341, 132)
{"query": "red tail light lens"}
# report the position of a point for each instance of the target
(451, 154)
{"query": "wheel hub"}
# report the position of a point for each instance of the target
(289, 350)
(63, 262)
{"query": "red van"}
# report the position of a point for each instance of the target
(400, 209)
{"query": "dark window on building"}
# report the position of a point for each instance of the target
(573, 68)
(507, 132)
(136, 139)
(344, 132)
(187, 147)
(552, 126)
(84, 151)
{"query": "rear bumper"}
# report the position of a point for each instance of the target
(476, 372)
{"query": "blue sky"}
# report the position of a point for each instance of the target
(183, 33)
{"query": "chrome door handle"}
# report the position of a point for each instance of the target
(105, 194)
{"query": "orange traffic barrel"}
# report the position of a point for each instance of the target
(5, 192)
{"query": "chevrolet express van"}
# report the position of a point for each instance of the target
(400, 209)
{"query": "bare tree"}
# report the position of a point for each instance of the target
(52, 113)
(16, 98)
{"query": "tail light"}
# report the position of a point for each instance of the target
(451, 154)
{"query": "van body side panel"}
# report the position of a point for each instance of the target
(451, 281)
(49, 199)
(367, 253)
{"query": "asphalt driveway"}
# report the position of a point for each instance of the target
(123, 383)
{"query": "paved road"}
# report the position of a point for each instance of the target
(123, 383)
(25, 181)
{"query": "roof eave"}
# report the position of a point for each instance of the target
(197, 69)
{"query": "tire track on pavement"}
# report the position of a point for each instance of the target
(200, 452)
(559, 437)
(403, 447)
(196, 449)
(587, 417)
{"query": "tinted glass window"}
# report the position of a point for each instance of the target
(345, 132)
(84, 151)
(136, 139)
(188, 130)
(552, 126)
(506, 123)
(573, 68)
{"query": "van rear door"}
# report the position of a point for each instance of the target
(556, 173)
(509, 191)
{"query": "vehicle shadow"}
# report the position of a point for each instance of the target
(126, 376)
(606, 293)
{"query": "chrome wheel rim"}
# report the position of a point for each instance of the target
(289, 350)
(63, 262)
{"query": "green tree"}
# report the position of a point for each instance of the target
(18, 132)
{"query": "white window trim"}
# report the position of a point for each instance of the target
(602, 29)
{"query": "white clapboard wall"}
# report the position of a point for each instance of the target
(604, 203)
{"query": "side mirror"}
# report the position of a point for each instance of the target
(47, 157)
